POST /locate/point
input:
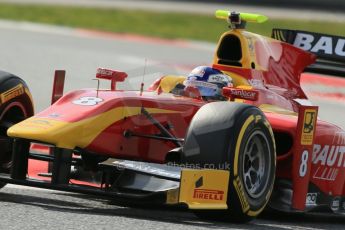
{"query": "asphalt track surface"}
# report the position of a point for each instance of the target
(34, 52)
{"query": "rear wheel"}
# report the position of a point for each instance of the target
(240, 135)
(16, 105)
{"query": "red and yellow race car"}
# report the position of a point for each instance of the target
(225, 151)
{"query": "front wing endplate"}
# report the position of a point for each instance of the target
(202, 189)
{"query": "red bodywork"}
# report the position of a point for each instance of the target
(111, 141)
(282, 66)
(277, 76)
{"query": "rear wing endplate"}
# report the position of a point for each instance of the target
(329, 49)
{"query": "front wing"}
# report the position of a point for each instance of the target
(135, 181)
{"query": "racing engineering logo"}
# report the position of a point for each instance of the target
(308, 127)
(309, 122)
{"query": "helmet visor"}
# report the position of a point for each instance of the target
(206, 89)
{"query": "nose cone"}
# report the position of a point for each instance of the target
(71, 134)
(40, 129)
(66, 134)
(59, 133)
(70, 123)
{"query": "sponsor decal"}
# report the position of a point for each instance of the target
(323, 44)
(245, 94)
(54, 115)
(204, 188)
(311, 199)
(329, 155)
(87, 101)
(104, 72)
(308, 127)
(208, 194)
(239, 189)
(217, 78)
(110, 74)
(329, 158)
(251, 95)
(335, 205)
(199, 182)
(12, 93)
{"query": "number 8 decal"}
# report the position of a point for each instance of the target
(90, 101)
(303, 168)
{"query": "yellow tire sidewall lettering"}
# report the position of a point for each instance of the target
(241, 195)
(237, 183)
(249, 120)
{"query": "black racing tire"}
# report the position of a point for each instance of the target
(238, 135)
(16, 105)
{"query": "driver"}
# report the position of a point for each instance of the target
(208, 81)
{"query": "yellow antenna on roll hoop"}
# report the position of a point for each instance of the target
(238, 20)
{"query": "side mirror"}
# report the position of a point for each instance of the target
(113, 75)
(58, 86)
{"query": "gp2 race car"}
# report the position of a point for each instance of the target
(262, 147)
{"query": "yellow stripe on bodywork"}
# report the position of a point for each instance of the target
(267, 108)
(73, 134)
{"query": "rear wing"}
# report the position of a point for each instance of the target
(329, 49)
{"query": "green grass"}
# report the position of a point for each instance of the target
(166, 25)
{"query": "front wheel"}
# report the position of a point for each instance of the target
(240, 135)
(15, 106)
